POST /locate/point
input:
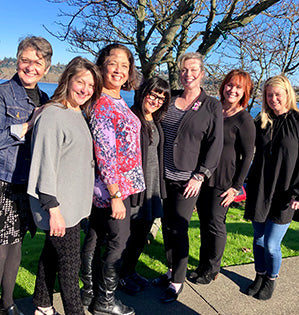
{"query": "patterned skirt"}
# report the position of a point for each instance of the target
(14, 211)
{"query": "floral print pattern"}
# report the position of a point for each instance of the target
(116, 135)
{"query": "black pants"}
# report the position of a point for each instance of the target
(115, 232)
(212, 228)
(175, 222)
(62, 255)
(140, 229)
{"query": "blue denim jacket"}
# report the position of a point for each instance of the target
(15, 108)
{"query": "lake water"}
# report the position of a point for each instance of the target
(49, 88)
(128, 96)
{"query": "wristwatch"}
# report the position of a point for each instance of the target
(116, 195)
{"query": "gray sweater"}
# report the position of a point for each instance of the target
(62, 165)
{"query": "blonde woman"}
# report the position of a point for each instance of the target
(273, 182)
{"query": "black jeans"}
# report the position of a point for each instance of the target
(212, 229)
(175, 222)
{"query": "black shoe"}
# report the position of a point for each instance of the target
(13, 310)
(170, 295)
(113, 307)
(266, 290)
(139, 280)
(128, 285)
(205, 278)
(255, 285)
(194, 274)
(162, 281)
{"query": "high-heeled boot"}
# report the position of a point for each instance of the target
(105, 301)
(86, 277)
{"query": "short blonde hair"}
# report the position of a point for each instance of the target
(282, 82)
(191, 55)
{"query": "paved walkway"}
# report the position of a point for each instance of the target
(223, 296)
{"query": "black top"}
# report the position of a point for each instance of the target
(273, 179)
(237, 153)
(138, 199)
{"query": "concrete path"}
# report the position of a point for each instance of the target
(223, 296)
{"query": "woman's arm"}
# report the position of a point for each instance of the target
(245, 139)
(212, 145)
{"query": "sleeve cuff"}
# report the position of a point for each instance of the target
(47, 201)
(205, 171)
(16, 131)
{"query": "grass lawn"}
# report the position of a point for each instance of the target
(152, 262)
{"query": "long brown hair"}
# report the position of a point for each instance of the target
(75, 66)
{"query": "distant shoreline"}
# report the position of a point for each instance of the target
(5, 79)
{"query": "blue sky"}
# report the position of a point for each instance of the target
(20, 18)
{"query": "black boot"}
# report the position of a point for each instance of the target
(86, 277)
(199, 276)
(105, 301)
(195, 274)
(206, 278)
(255, 285)
(266, 290)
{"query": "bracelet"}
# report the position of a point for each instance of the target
(198, 177)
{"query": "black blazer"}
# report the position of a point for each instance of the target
(199, 141)
(137, 199)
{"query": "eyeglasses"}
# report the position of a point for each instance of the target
(39, 63)
(152, 96)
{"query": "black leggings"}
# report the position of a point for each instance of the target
(10, 259)
(62, 255)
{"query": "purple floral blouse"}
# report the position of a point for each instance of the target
(116, 136)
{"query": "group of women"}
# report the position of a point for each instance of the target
(92, 156)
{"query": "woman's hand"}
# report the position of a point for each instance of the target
(192, 188)
(294, 204)
(29, 124)
(118, 209)
(57, 224)
(228, 196)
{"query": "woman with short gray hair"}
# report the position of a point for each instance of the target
(20, 103)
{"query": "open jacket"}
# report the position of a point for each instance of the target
(138, 199)
(199, 141)
(15, 109)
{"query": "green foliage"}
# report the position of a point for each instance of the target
(152, 262)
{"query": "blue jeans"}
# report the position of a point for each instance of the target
(266, 246)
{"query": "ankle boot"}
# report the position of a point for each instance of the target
(105, 301)
(266, 290)
(86, 277)
(255, 285)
